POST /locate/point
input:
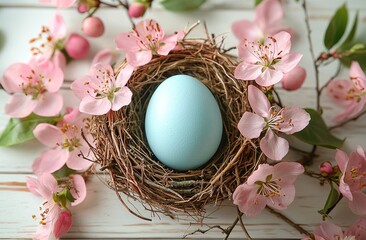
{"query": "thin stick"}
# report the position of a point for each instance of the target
(348, 121)
(240, 215)
(191, 28)
(331, 78)
(230, 229)
(278, 98)
(290, 222)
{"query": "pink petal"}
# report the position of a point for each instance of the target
(268, 14)
(260, 174)
(127, 42)
(297, 118)
(287, 172)
(139, 58)
(104, 56)
(124, 75)
(48, 134)
(65, 3)
(121, 98)
(59, 60)
(337, 90)
(50, 161)
(358, 76)
(251, 125)
(345, 189)
(12, 80)
(294, 79)
(62, 224)
(258, 101)
(32, 185)
(358, 229)
(49, 104)
(167, 44)
(269, 77)
(282, 44)
(342, 160)
(54, 77)
(79, 190)
(328, 230)
(58, 27)
(248, 201)
(78, 163)
(288, 62)
(245, 29)
(284, 200)
(245, 52)
(47, 185)
(273, 146)
(94, 106)
(20, 106)
(81, 86)
(352, 110)
(247, 71)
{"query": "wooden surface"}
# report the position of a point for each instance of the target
(101, 215)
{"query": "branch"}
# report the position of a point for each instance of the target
(331, 78)
(240, 215)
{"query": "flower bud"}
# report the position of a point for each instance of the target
(77, 46)
(93, 27)
(63, 224)
(326, 168)
(294, 79)
(82, 7)
(136, 10)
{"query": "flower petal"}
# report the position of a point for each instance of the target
(351, 110)
(65, 3)
(287, 172)
(251, 125)
(269, 77)
(342, 159)
(79, 190)
(284, 200)
(268, 14)
(273, 146)
(357, 76)
(20, 106)
(245, 52)
(328, 230)
(81, 86)
(245, 29)
(54, 76)
(282, 44)
(260, 174)
(13, 80)
(50, 104)
(288, 62)
(140, 58)
(167, 44)
(50, 161)
(358, 204)
(127, 42)
(59, 60)
(358, 229)
(121, 98)
(248, 201)
(78, 163)
(337, 90)
(294, 117)
(94, 106)
(57, 26)
(104, 56)
(258, 101)
(124, 75)
(48, 134)
(247, 71)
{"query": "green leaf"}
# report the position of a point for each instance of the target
(63, 173)
(336, 28)
(358, 56)
(181, 5)
(21, 130)
(257, 2)
(317, 133)
(346, 43)
(332, 201)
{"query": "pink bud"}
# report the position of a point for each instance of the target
(82, 7)
(294, 79)
(136, 10)
(326, 168)
(63, 224)
(93, 27)
(77, 46)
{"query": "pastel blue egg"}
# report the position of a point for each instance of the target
(183, 123)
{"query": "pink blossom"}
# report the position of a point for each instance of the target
(136, 10)
(59, 3)
(35, 89)
(93, 27)
(271, 119)
(267, 62)
(105, 56)
(63, 224)
(268, 185)
(101, 91)
(66, 142)
(267, 22)
(330, 231)
(47, 45)
(77, 46)
(349, 93)
(326, 168)
(294, 79)
(353, 181)
(148, 38)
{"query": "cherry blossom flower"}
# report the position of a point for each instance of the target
(349, 93)
(59, 3)
(353, 180)
(294, 79)
(148, 38)
(268, 62)
(101, 91)
(267, 22)
(35, 89)
(271, 119)
(66, 143)
(268, 185)
(46, 46)
(330, 231)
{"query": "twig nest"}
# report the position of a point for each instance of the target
(122, 150)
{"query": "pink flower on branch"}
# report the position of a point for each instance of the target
(268, 62)
(267, 22)
(35, 89)
(353, 181)
(268, 185)
(101, 91)
(271, 119)
(148, 38)
(349, 93)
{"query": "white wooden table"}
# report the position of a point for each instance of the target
(101, 215)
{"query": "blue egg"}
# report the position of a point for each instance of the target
(183, 123)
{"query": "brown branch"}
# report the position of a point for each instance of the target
(331, 78)
(240, 215)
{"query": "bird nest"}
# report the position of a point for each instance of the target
(121, 147)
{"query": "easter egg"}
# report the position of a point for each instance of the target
(183, 123)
